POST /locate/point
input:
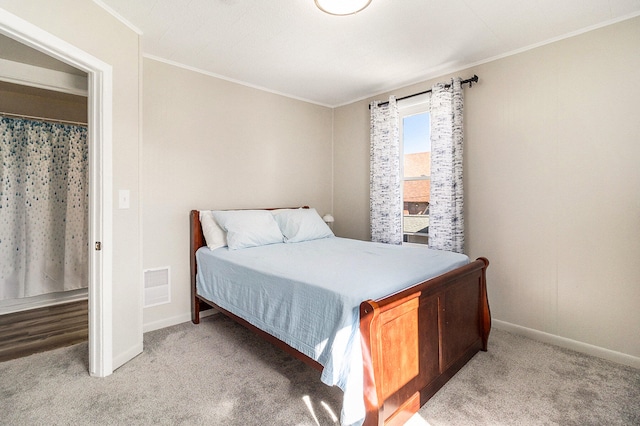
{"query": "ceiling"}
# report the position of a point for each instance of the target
(292, 48)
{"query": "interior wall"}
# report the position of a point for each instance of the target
(552, 182)
(30, 101)
(213, 144)
(88, 27)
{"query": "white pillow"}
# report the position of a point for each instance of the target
(248, 228)
(214, 236)
(302, 225)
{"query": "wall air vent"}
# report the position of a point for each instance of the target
(157, 286)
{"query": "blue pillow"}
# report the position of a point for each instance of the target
(214, 236)
(301, 225)
(248, 228)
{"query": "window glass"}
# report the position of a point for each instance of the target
(416, 145)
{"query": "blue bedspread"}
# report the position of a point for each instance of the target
(308, 295)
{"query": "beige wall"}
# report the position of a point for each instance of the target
(88, 27)
(351, 171)
(212, 144)
(552, 177)
(29, 101)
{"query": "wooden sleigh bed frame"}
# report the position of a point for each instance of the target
(413, 341)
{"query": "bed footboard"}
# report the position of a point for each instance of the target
(413, 342)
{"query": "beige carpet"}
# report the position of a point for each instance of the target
(218, 373)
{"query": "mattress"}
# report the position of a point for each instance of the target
(308, 295)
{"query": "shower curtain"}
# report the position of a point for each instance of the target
(43, 207)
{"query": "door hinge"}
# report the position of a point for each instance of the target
(98, 246)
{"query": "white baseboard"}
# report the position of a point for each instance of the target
(563, 342)
(541, 336)
(178, 319)
(9, 306)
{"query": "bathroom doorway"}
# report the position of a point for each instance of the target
(44, 205)
(99, 119)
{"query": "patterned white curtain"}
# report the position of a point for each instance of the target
(446, 220)
(385, 180)
(43, 208)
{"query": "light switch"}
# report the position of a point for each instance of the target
(123, 199)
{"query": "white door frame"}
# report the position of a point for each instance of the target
(100, 180)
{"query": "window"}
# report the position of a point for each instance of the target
(415, 135)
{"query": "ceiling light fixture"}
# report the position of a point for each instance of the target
(342, 7)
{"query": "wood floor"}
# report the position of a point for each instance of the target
(37, 330)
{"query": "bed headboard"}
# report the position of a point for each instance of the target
(197, 237)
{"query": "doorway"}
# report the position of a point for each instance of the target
(99, 92)
(43, 234)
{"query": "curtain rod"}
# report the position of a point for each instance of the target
(470, 81)
(48, 120)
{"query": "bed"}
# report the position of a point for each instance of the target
(407, 342)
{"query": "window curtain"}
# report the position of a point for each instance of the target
(446, 219)
(43, 208)
(385, 180)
